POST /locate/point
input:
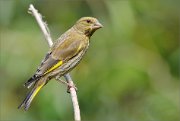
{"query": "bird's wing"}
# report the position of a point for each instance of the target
(61, 54)
(55, 58)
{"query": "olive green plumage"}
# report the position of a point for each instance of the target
(63, 56)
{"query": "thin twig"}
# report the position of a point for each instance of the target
(42, 25)
(47, 36)
(74, 98)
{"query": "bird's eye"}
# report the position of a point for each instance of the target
(88, 21)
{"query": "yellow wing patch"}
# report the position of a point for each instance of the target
(79, 48)
(54, 67)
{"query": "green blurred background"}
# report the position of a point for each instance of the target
(130, 73)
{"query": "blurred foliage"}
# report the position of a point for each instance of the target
(130, 73)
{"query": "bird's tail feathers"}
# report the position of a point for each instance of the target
(27, 101)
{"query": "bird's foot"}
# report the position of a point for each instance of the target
(69, 85)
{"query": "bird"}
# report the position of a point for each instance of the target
(64, 55)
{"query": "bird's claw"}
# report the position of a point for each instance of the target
(69, 86)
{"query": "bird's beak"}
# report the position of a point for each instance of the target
(97, 25)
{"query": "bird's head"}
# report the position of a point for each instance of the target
(87, 25)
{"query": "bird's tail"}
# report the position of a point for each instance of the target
(27, 101)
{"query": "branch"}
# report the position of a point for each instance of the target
(42, 25)
(77, 116)
(47, 36)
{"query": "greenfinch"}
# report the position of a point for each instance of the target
(63, 56)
